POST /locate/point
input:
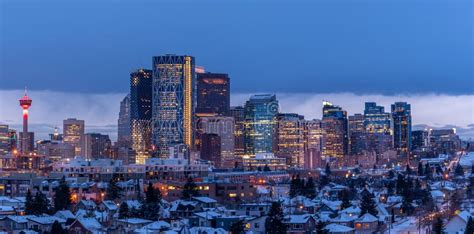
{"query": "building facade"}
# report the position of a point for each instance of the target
(237, 112)
(260, 119)
(213, 93)
(73, 134)
(123, 123)
(141, 114)
(401, 115)
(174, 102)
(289, 139)
(223, 126)
(335, 127)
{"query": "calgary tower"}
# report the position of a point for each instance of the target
(25, 103)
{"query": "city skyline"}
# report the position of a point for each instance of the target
(309, 105)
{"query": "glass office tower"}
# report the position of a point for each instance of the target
(401, 115)
(260, 115)
(213, 93)
(141, 113)
(174, 102)
(334, 124)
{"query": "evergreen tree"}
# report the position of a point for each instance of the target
(390, 190)
(123, 211)
(400, 184)
(274, 222)
(344, 197)
(421, 172)
(152, 206)
(190, 189)
(438, 226)
(324, 181)
(391, 174)
(237, 227)
(62, 197)
(368, 205)
(320, 228)
(138, 191)
(29, 203)
(428, 171)
(407, 194)
(266, 168)
(328, 170)
(470, 226)
(40, 204)
(57, 228)
(295, 186)
(408, 170)
(459, 171)
(439, 170)
(113, 190)
(310, 188)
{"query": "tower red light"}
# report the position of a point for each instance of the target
(25, 103)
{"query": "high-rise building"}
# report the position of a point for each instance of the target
(211, 148)
(335, 126)
(376, 120)
(223, 126)
(401, 115)
(26, 138)
(420, 139)
(260, 118)
(237, 112)
(378, 126)
(289, 138)
(56, 136)
(4, 139)
(55, 150)
(357, 134)
(213, 93)
(96, 145)
(123, 123)
(73, 133)
(313, 139)
(141, 103)
(174, 102)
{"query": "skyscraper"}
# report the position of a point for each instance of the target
(213, 93)
(313, 139)
(401, 114)
(376, 120)
(260, 115)
(223, 126)
(4, 139)
(289, 138)
(123, 122)
(378, 126)
(96, 145)
(141, 114)
(73, 133)
(357, 134)
(26, 138)
(237, 112)
(174, 101)
(211, 148)
(334, 124)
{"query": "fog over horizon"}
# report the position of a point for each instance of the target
(100, 111)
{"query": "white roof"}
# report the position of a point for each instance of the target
(467, 160)
(297, 218)
(20, 218)
(157, 225)
(90, 224)
(135, 221)
(367, 218)
(46, 219)
(67, 214)
(7, 209)
(205, 199)
(335, 228)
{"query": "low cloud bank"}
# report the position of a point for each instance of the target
(100, 111)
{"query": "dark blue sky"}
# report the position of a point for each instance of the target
(361, 46)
